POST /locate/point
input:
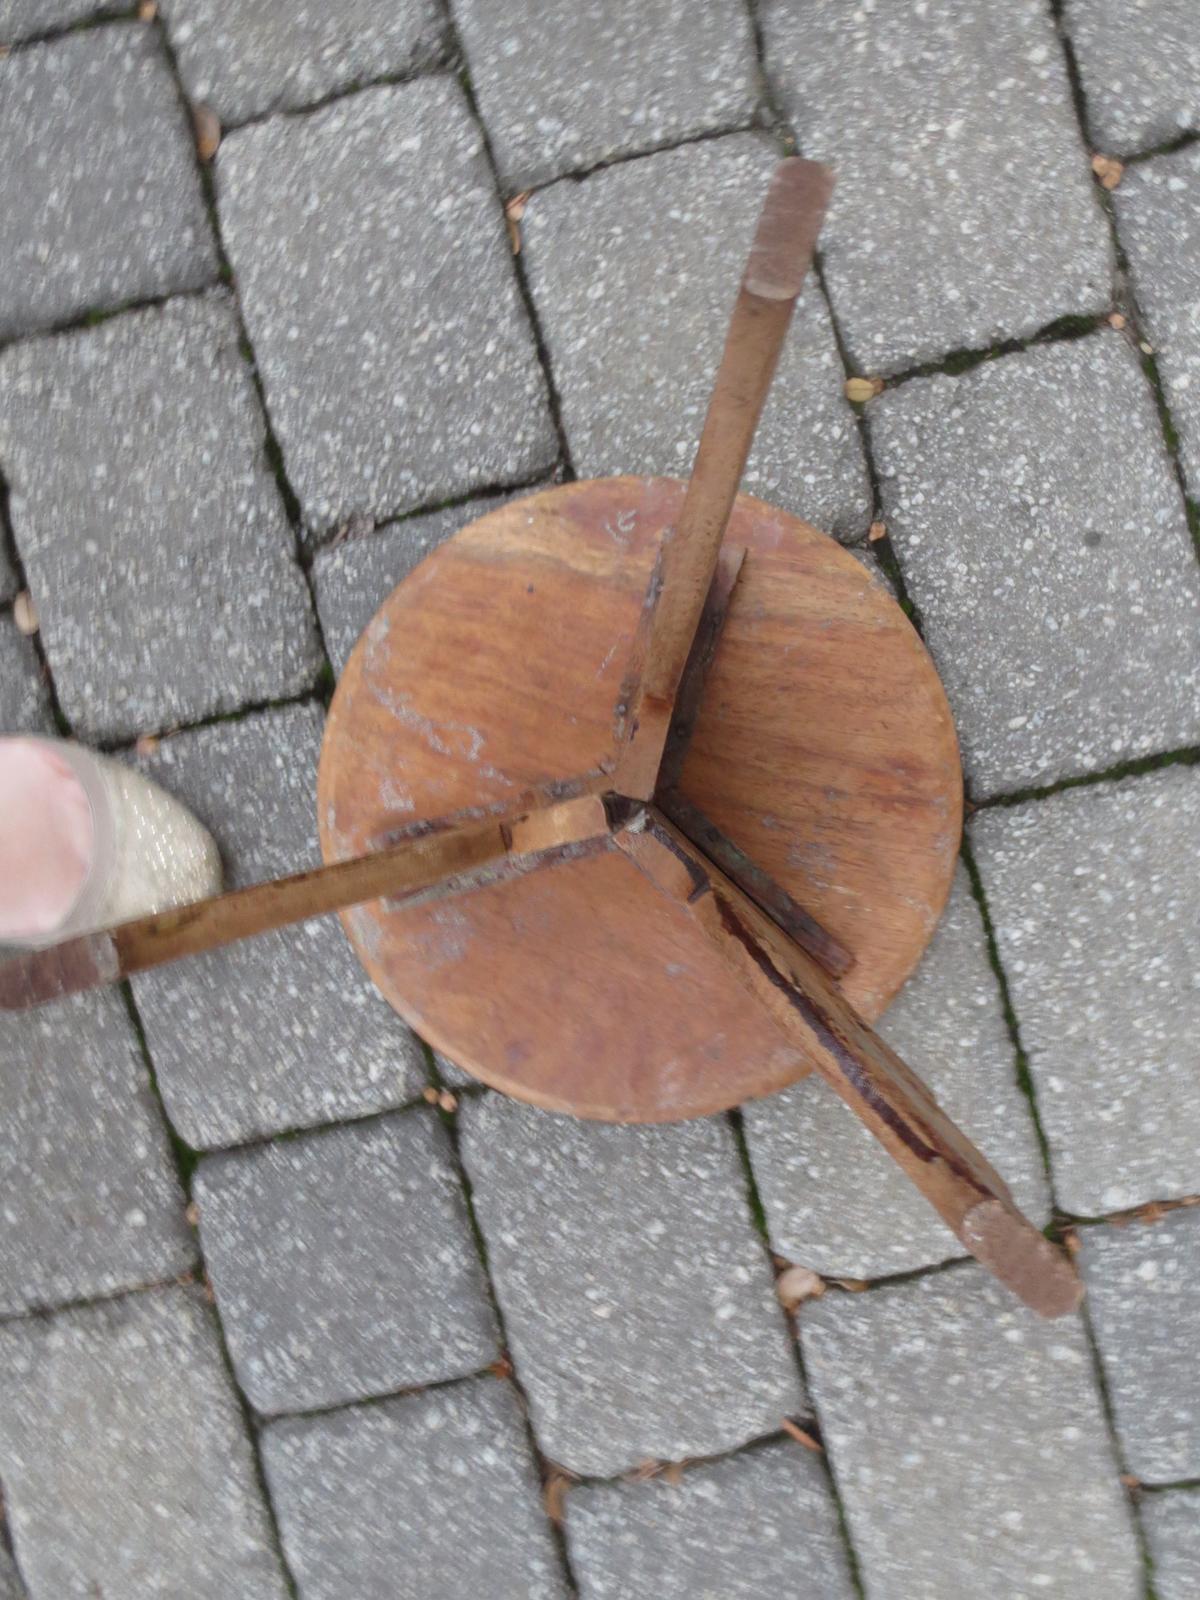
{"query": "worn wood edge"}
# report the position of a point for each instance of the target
(887, 1096)
(436, 859)
(777, 263)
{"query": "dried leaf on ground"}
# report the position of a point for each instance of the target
(207, 126)
(797, 1284)
(801, 1435)
(861, 390)
(554, 1495)
(877, 531)
(25, 613)
(1109, 171)
(513, 212)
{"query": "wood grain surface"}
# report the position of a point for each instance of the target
(823, 748)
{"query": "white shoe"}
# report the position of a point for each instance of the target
(149, 852)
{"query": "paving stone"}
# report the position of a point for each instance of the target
(429, 1497)
(90, 1199)
(8, 578)
(452, 1074)
(636, 1296)
(24, 703)
(634, 338)
(1095, 912)
(964, 210)
(344, 1265)
(738, 1529)
(24, 19)
(377, 283)
(355, 577)
(1172, 1526)
(125, 1464)
(153, 534)
(566, 87)
(1158, 216)
(1144, 1297)
(284, 1030)
(1042, 536)
(969, 1443)
(1139, 64)
(100, 201)
(11, 1587)
(835, 1201)
(246, 60)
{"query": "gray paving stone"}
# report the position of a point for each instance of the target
(284, 1030)
(24, 703)
(90, 1203)
(429, 1497)
(1095, 909)
(637, 1299)
(1144, 1296)
(1158, 217)
(739, 1529)
(343, 1264)
(355, 577)
(1139, 64)
(834, 1200)
(1042, 536)
(451, 1073)
(1172, 1525)
(25, 19)
(11, 1587)
(964, 210)
(100, 200)
(634, 273)
(246, 60)
(378, 288)
(566, 87)
(969, 1443)
(126, 1468)
(154, 537)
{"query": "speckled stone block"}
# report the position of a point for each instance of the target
(963, 212)
(344, 1265)
(26, 19)
(126, 1468)
(284, 1030)
(100, 199)
(835, 1201)
(566, 86)
(355, 577)
(636, 1296)
(1042, 536)
(635, 338)
(430, 1497)
(1139, 62)
(89, 1200)
(1143, 1288)
(744, 1528)
(154, 538)
(244, 60)
(11, 1587)
(1095, 904)
(968, 1440)
(1158, 218)
(377, 283)
(1172, 1526)
(24, 703)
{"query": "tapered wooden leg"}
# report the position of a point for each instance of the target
(970, 1197)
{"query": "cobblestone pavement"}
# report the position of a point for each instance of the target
(270, 1323)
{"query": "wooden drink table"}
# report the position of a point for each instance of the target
(639, 799)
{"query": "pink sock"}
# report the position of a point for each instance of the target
(45, 839)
